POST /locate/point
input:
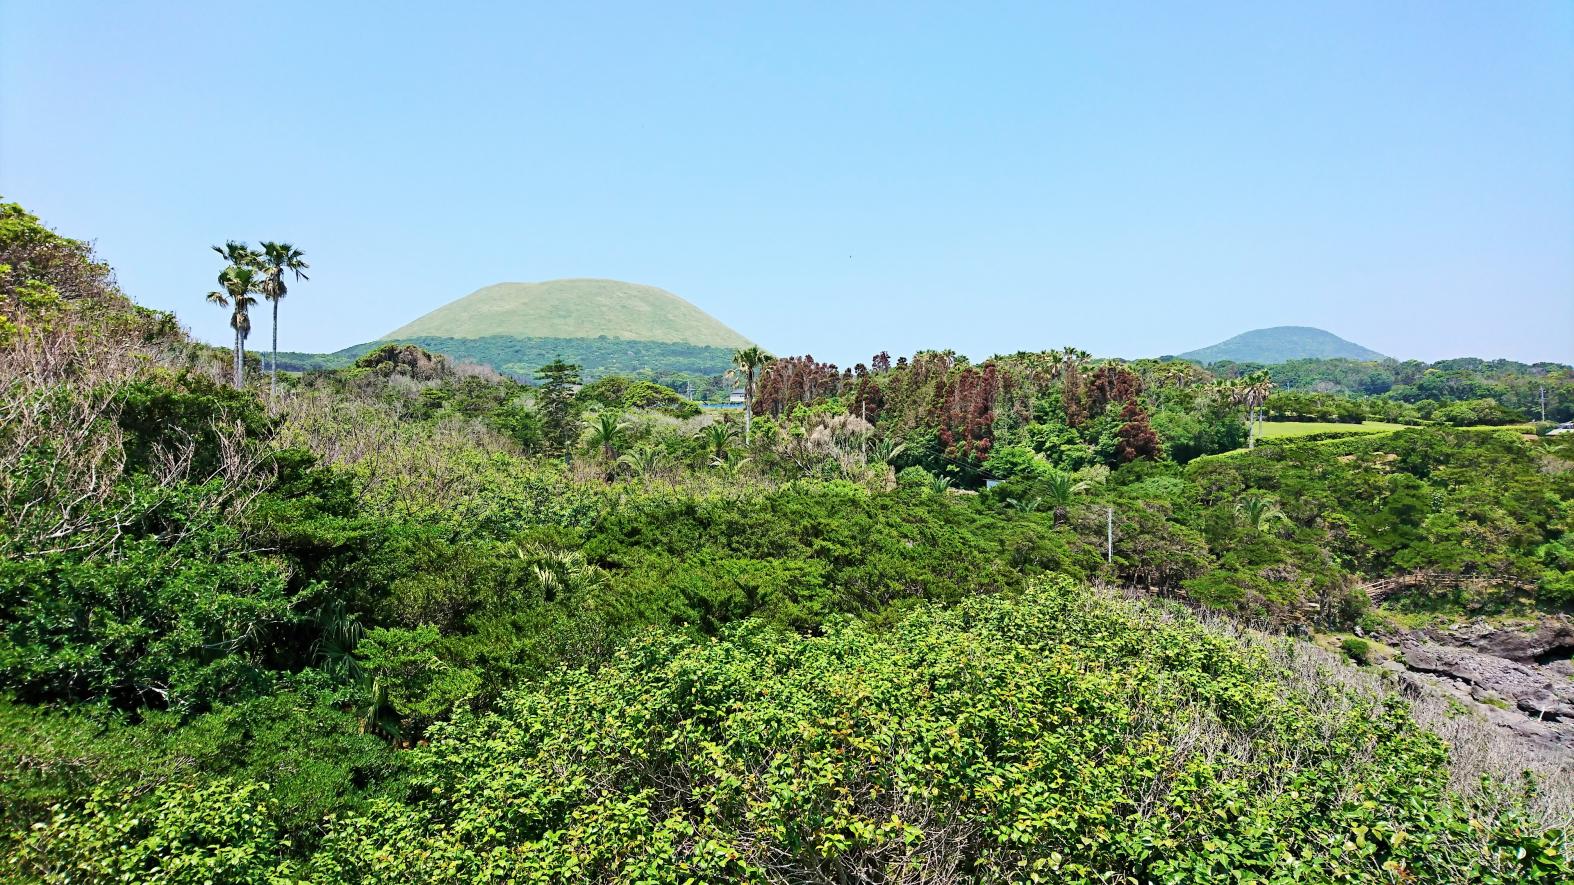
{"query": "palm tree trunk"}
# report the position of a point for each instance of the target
(235, 360)
(748, 407)
(240, 359)
(273, 381)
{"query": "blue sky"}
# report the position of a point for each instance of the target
(1135, 179)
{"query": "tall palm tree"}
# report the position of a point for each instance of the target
(279, 259)
(238, 283)
(1255, 389)
(222, 300)
(749, 361)
(238, 280)
(1055, 361)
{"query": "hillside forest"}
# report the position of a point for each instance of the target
(1041, 618)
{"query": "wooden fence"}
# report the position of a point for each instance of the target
(1382, 588)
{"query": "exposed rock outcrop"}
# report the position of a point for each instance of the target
(1524, 642)
(1536, 690)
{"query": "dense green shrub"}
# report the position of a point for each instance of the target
(1356, 649)
(1057, 736)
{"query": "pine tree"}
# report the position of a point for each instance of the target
(555, 402)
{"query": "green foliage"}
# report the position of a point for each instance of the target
(1008, 462)
(555, 402)
(169, 413)
(1476, 412)
(222, 832)
(410, 675)
(622, 393)
(1356, 649)
(720, 659)
(1192, 434)
(154, 627)
(669, 364)
(1052, 736)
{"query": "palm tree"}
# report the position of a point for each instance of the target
(1055, 361)
(717, 437)
(1259, 511)
(730, 465)
(1061, 491)
(886, 450)
(277, 260)
(1254, 391)
(238, 283)
(644, 460)
(607, 432)
(238, 280)
(749, 360)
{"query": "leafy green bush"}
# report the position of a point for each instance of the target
(1356, 649)
(219, 833)
(1057, 735)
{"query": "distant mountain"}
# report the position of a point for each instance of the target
(660, 361)
(573, 309)
(1281, 344)
(606, 326)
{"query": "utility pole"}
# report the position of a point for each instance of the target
(1109, 535)
(1543, 403)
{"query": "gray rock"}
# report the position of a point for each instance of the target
(1522, 642)
(1534, 690)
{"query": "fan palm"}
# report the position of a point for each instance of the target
(279, 259)
(749, 361)
(238, 280)
(1054, 360)
(1255, 389)
(237, 283)
(560, 573)
(730, 465)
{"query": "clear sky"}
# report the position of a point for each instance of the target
(1134, 179)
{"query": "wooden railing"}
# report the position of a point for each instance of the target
(1382, 588)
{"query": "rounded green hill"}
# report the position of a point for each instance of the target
(573, 309)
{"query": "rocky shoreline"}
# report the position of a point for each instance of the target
(1519, 676)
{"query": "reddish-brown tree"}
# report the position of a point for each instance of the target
(1137, 439)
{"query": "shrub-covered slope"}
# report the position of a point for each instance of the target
(1055, 736)
(249, 635)
(660, 361)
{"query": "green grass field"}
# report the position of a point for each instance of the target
(1282, 429)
